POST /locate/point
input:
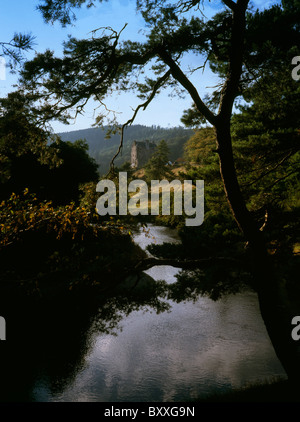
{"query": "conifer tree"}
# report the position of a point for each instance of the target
(157, 167)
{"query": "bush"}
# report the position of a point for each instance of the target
(65, 246)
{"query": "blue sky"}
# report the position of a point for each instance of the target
(22, 16)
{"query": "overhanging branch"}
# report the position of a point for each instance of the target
(229, 3)
(144, 105)
(178, 74)
(190, 264)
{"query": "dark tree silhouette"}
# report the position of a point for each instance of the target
(239, 44)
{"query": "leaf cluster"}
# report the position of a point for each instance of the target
(21, 214)
(157, 166)
(61, 10)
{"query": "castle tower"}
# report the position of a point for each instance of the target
(141, 152)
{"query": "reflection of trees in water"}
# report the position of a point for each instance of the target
(48, 342)
(137, 292)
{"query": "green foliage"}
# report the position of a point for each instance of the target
(203, 164)
(88, 196)
(157, 166)
(19, 131)
(200, 147)
(266, 142)
(53, 170)
(14, 49)
(62, 184)
(59, 184)
(61, 10)
(20, 215)
(57, 249)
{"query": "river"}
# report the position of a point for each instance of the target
(190, 351)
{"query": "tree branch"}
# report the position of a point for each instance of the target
(282, 178)
(230, 4)
(271, 170)
(144, 105)
(178, 74)
(147, 263)
(230, 88)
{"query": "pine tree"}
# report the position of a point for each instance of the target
(157, 167)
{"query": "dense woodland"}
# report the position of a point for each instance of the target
(243, 141)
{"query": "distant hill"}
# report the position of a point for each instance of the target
(102, 149)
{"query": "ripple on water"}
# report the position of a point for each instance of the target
(196, 349)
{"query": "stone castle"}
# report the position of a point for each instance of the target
(141, 152)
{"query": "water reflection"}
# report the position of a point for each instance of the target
(136, 345)
(47, 345)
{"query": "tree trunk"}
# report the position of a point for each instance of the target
(233, 193)
(277, 313)
(275, 308)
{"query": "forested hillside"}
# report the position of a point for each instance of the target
(103, 149)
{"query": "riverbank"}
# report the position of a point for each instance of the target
(42, 267)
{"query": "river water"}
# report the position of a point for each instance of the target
(193, 350)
